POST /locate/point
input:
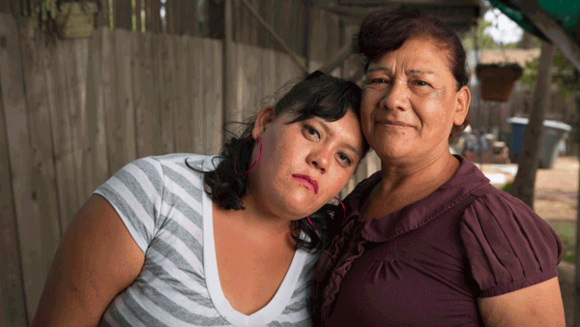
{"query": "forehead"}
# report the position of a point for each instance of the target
(419, 53)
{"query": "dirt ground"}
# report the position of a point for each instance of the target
(555, 199)
(556, 190)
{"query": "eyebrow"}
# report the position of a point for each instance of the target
(325, 126)
(411, 72)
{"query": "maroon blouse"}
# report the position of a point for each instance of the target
(426, 264)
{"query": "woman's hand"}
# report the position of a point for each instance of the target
(536, 305)
(96, 259)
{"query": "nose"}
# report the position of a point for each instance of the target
(395, 97)
(320, 159)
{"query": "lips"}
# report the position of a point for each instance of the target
(393, 123)
(307, 181)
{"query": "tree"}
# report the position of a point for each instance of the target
(528, 160)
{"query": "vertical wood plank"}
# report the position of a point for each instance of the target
(152, 18)
(124, 111)
(286, 70)
(12, 304)
(113, 115)
(34, 260)
(196, 72)
(166, 82)
(103, 14)
(123, 14)
(269, 74)
(251, 61)
(188, 18)
(95, 158)
(138, 15)
(254, 25)
(62, 133)
(170, 16)
(43, 174)
(183, 124)
(242, 92)
(145, 93)
(73, 66)
(213, 95)
(238, 20)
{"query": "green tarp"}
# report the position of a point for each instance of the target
(565, 12)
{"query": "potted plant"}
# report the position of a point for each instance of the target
(75, 18)
(497, 80)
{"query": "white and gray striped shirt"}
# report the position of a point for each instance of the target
(162, 203)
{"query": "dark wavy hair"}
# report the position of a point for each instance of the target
(383, 31)
(318, 95)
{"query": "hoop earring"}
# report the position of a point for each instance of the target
(343, 218)
(255, 161)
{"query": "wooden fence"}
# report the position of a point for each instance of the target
(74, 112)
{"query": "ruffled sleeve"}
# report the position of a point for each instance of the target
(508, 246)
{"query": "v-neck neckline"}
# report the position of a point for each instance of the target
(281, 298)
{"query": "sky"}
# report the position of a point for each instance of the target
(503, 29)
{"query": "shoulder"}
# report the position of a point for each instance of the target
(185, 168)
(490, 202)
(507, 244)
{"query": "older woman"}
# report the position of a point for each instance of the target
(428, 241)
(176, 241)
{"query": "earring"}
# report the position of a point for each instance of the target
(255, 161)
(343, 218)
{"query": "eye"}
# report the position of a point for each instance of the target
(422, 83)
(312, 133)
(378, 80)
(344, 158)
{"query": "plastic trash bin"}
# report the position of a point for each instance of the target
(555, 133)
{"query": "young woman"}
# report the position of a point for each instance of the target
(428, 240)
(230, 240)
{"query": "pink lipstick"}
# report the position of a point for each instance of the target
(307, 181)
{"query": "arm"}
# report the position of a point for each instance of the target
(96, 259)
(536, 305)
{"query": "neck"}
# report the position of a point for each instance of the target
(404, 183)
(260, 225)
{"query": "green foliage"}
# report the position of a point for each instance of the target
(507, 186)
(564, 75)
(566, 231)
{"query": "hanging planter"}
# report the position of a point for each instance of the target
(76, 19)
(497, 81)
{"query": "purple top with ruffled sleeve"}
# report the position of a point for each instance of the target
(426, 264)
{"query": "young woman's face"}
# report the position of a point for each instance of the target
(410, 102)
(304, 164)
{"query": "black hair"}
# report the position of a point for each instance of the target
(320, 95)
(385, 31)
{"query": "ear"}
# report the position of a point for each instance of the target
(462, 105)
(265, 117)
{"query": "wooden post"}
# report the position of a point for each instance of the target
(137, 13)
(523, 185)
(188, 17)
(152, 18)
(123, 14)
(577, 281)
(103, 14)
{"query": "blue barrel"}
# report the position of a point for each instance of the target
(555, 133)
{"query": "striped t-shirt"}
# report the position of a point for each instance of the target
(162, 202)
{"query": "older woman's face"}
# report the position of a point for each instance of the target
(410, 102)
